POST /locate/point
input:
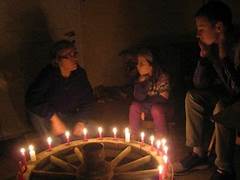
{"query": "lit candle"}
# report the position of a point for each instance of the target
(22, 150)
(164, 141)
(100, 130)
(49, 141)
(85, 131)
(142, 137)
(165, 159)
(127, 135)
(67, 134)
(160, 171)
(152, 141)
(158, 143)
(32, 153)
(165, 149)
(115, 133)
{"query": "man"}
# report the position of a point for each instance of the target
(217, 85)
(61, 95)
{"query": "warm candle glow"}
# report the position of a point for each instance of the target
(160, 169)
(31, 148)
(85, 131)
(152, 139)
(22, 150)
(164, 141)
(49, 140)
(32, 153)
(127, 135)
(165, 159)
(115, 132)
(165, 149)
(100, 130)
(142, 136)
(158, 143)
(67, 134)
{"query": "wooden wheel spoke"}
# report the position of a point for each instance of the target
(120, 157)
(133, 164)
(63, 164)
(79, 155)
(137, 174)
(53, 174)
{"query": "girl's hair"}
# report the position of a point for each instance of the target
(153, 61)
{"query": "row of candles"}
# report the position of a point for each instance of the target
(158, 145)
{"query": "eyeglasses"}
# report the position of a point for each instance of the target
(72, 54)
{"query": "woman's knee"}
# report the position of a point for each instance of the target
(135, 106)
(157, 109)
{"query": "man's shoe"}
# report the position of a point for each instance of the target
(190, 162)
(222, 175)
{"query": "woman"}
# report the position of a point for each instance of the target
(151, 94)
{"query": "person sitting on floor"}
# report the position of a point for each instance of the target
(217, 84)
(61, 95)
(151, 94)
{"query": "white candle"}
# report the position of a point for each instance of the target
(152, 141)
(115, 132)
(165, 149)
(22, 150)
(49, 141)
(127, 135)
(100, 130)
(164, 141)
(165, 159)
(160, 171)
(142, 136)
(158, 143)
(32, 153)
(67, 134)
(85, 131)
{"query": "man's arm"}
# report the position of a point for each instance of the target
(37, 99)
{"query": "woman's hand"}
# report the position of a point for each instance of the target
(78, 128)
(57, 126)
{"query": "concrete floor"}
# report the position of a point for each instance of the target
(109, 114)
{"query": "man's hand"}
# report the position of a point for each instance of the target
(78, 128)
(204, 49)
(57, 126)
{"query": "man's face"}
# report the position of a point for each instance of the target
(206, 32)
(68, 59)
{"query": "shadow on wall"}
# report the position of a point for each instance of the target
(23, 55)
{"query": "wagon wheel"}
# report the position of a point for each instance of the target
(97, 159)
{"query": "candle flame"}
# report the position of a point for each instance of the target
(164, 141)
(165, 149)
(31, 147)
(115, 130)
(100, 130)
(160, 169)
(49, 140)
(126, 130)
(142, 135)
(165, 159)
(152, 139)
(67, 134)
(22, 150)
(85, 131)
